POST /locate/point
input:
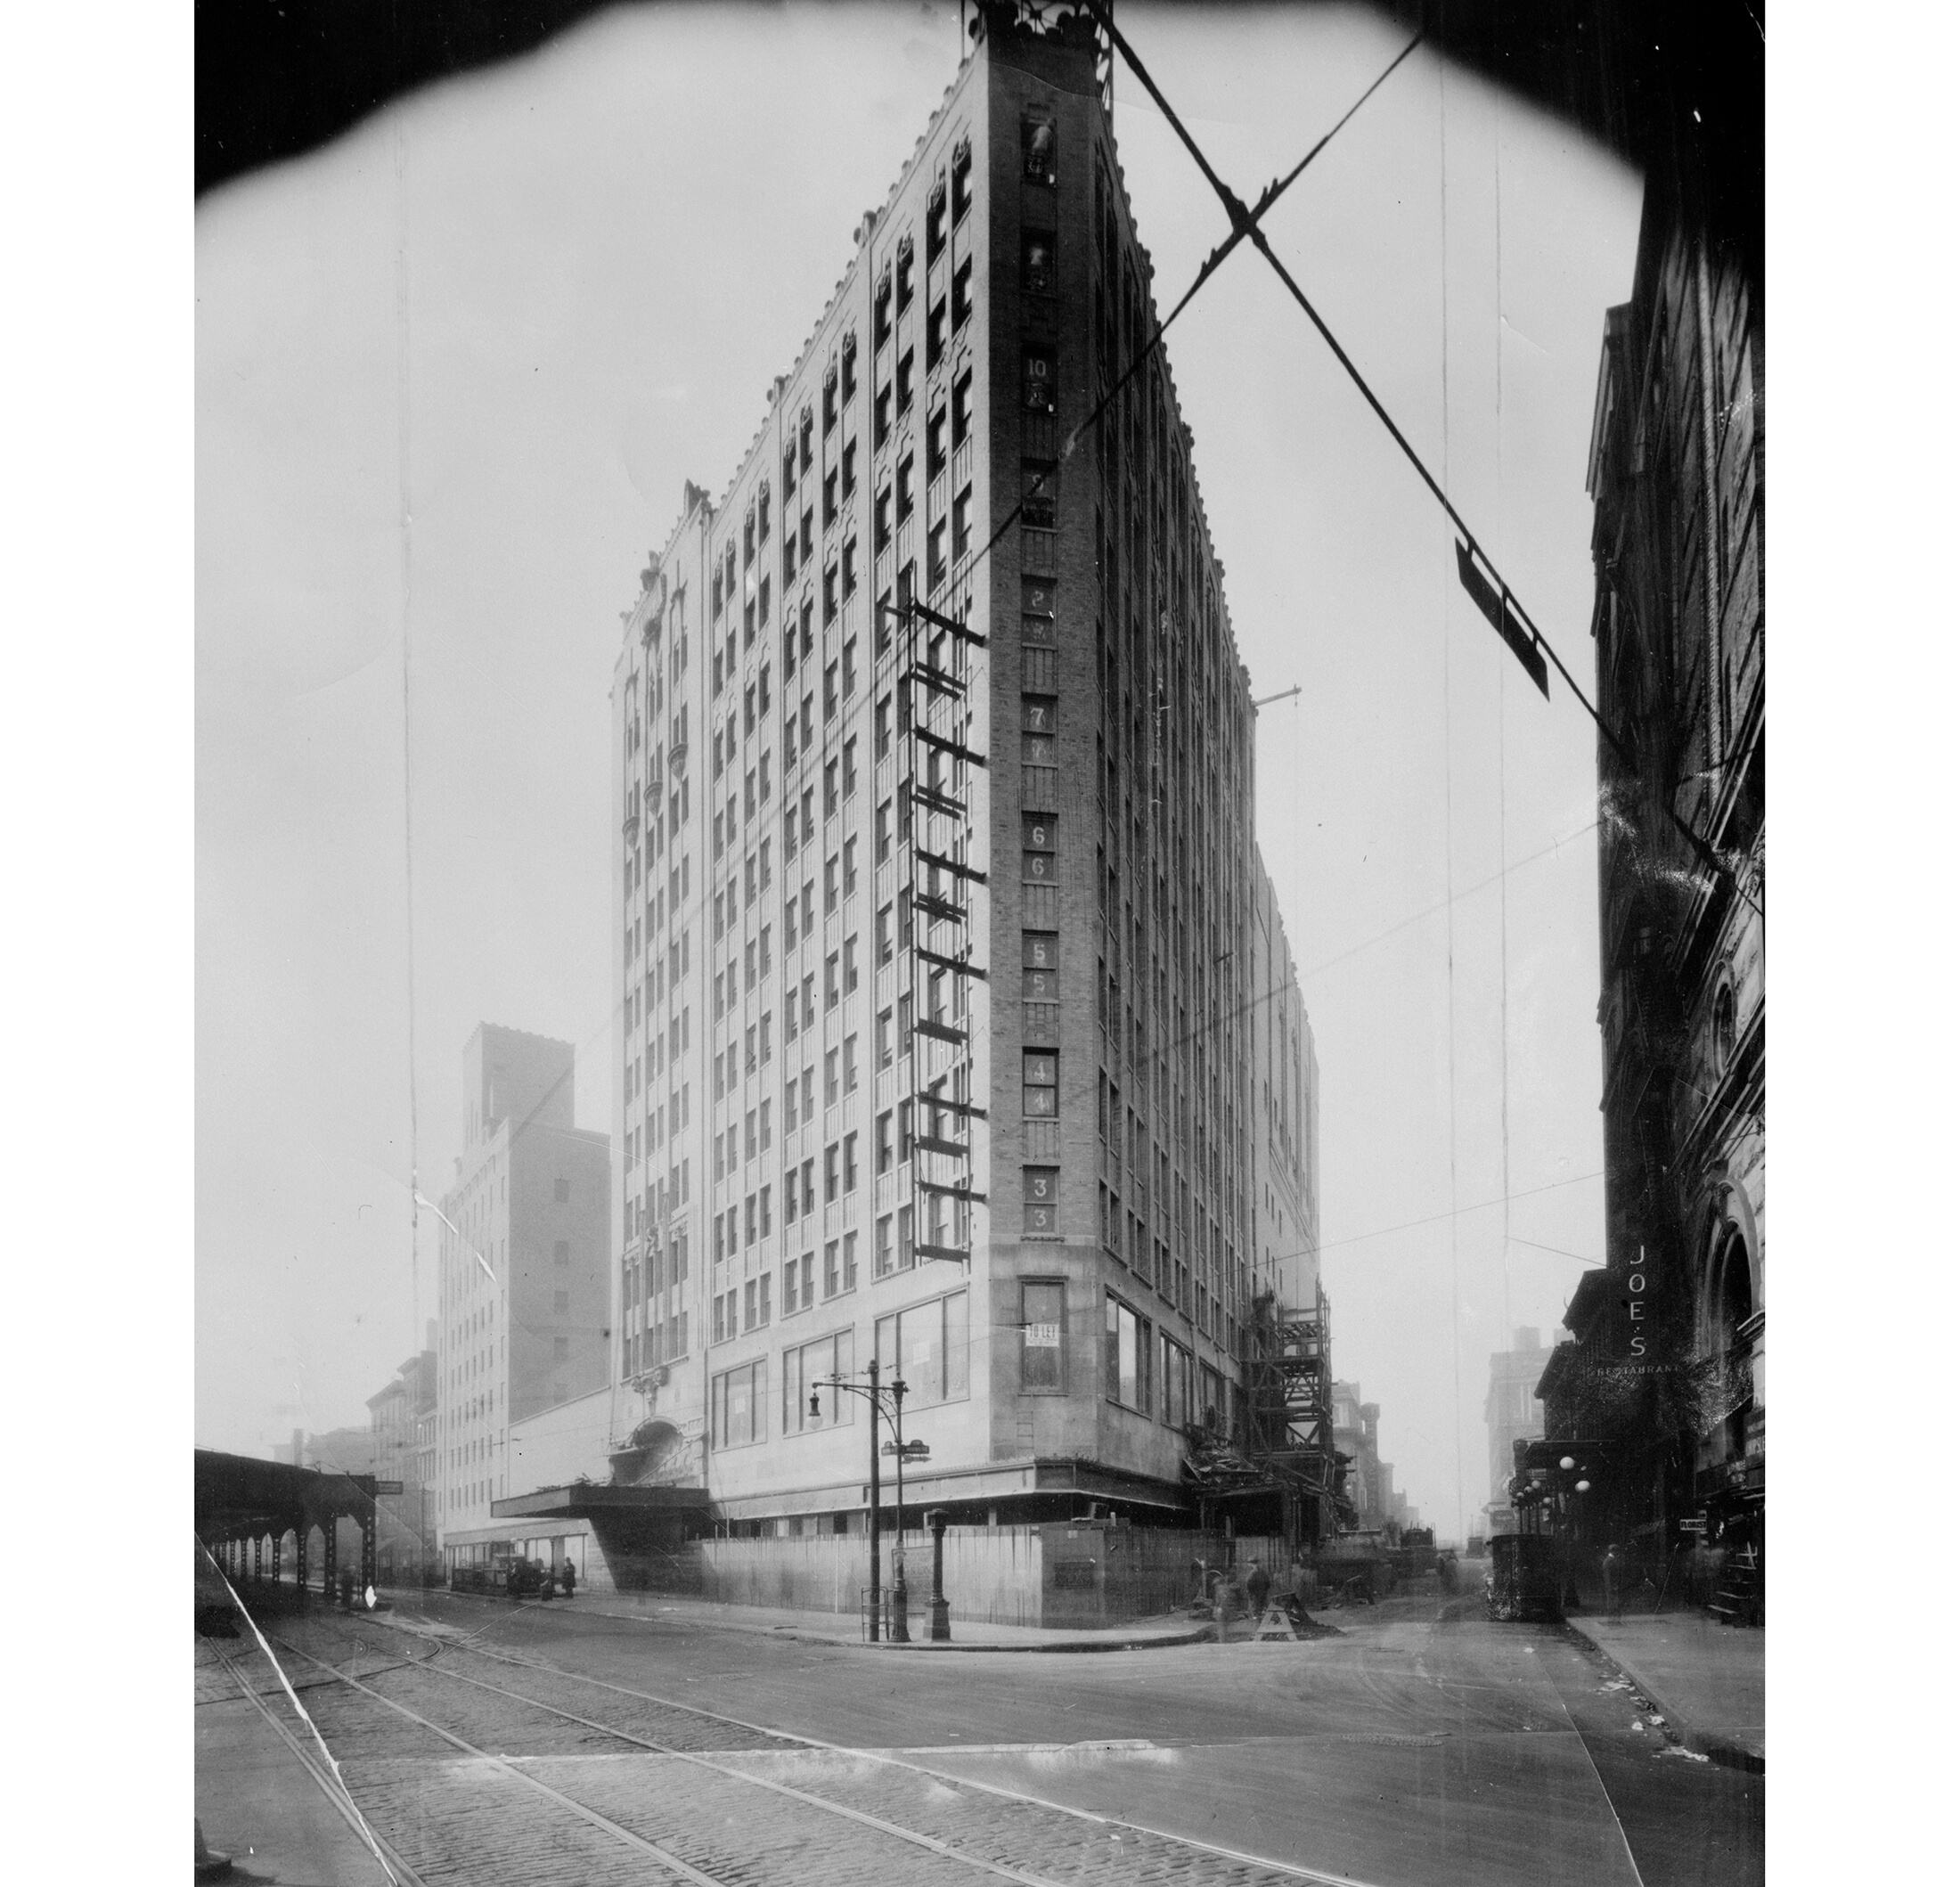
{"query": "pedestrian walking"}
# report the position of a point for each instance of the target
(1614, 1570)
(1258, 1584)
(1289, 1589)
(570, 1576)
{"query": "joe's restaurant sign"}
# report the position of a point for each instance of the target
(1639, 1345)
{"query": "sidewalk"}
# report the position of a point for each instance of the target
(1705, 1679)
(836, 1628)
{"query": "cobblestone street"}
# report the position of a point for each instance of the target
(489, 1744)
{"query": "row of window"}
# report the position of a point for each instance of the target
(1153, 1374)
(926, 1346)
(756, 529)
(893, 1251)
(1151, 513)
(841, 1072)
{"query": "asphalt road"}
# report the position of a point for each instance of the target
(1422, 1745)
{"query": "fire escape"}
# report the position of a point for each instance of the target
(938, 934)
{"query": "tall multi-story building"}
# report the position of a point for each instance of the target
(1286, 1110)
(958, 1029)
(1511, 1412)
(524, 1298)
(1666, 1361)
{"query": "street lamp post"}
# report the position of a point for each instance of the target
(875, 1393)
(941, 1624)
(1569, 1509)
(902, 1630)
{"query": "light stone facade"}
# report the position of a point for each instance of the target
(959, 1028)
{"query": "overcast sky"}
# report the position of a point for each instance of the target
(451, 374)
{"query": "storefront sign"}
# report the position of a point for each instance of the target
(1639, 1308)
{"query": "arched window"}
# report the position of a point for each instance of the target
(1735, 1304)
(1725, 1024)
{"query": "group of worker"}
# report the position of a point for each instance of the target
(1253, 1585)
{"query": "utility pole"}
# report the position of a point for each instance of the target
(874, 1399)
(901, 1631)
(875, 1392)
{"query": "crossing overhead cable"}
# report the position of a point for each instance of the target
(1244, 224)
(1241, 224)
(1458, 1212)
(1504, 599)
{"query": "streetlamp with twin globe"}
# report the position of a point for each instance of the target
(875, 1392)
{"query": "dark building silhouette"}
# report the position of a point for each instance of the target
(1667, 1340)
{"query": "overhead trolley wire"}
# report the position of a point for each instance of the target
(1449, 819)
(1483, 1205)
(1243, 224)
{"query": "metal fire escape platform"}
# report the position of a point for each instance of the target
(1289, 1442)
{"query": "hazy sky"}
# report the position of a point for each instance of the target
(451, 374)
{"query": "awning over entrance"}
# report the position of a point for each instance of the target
(598, 1500)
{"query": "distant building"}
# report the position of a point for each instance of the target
(336, 1450)
(349, 1451)
(403, 1422)
(524, 1319)
(1511, 1412)
(1355, 1426)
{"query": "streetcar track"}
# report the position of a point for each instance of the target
(590, 1816)
(875, 1823)
(888, 1758)
(329, 1786)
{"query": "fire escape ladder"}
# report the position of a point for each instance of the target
(944, 947)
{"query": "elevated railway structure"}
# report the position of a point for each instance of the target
(246, 1509)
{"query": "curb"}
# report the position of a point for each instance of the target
(1080, 1645)
(790, 1635)
(1720, 1750)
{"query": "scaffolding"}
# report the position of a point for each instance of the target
(1288, 1459)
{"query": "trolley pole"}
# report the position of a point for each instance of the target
(902, 1633)
(874, 1500)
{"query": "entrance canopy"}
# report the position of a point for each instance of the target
(600, 1501)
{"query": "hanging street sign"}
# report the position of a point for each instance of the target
(1504, 619)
